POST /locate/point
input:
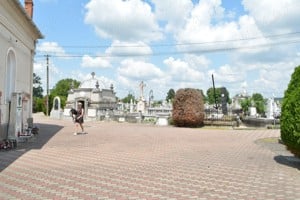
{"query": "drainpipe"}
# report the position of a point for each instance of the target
(9, 109)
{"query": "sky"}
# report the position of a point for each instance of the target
(248, 46)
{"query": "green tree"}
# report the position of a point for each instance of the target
(157, 103)
(245, 104)
(61, 89)
(37, 94)
(37, 86)
(38, 105)
(170, 95)
(259, 103)
(290, 114)
(214, 97)
(128, 98)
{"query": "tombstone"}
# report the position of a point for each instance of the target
(56, 112)
(141, 106)
(131, 106)
(224, 97)
(273, 110)
(253, 111)
(162, 119)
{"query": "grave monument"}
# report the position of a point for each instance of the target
(98, 102)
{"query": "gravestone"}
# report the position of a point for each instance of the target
(56, 112)
(270, 108)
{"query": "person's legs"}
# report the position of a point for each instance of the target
(76, 128)
(81, 126)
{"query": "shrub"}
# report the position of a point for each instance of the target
(188, 108)
(290, 114)
(38, 105)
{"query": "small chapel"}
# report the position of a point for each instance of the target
(97, 101)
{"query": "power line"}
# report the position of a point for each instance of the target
(185, 44)
(200, 49)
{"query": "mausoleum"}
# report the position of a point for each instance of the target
(97, 100)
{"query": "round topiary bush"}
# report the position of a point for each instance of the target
(188, 108)
(290, 114)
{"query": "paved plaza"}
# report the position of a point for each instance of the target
(138, 161)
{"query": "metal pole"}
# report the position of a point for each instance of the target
(213, 80)
(47, 98)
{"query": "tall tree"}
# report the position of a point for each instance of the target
(258, 103)
(290, 112)
(37, 94)
(170, 95)
(214, 96)
(245, 104)
(37, 86)
(61, 89)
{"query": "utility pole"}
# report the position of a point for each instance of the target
(215, 97)
(47, 97)
(216, 104)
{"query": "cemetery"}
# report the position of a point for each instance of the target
(100, 104)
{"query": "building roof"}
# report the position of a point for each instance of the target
(92, 83)
(32, 24)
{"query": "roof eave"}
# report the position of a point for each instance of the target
(21, 8)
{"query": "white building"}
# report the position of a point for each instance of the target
(97, 100)
(18, 37)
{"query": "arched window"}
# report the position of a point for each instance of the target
(10, 75)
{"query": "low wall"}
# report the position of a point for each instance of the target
(260, 122)
(131, 118)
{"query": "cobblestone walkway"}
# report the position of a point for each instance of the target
(132, 161)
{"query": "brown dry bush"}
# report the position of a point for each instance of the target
(188, 108)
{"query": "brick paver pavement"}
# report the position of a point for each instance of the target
(134, 161)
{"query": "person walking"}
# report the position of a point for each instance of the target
(79, 119)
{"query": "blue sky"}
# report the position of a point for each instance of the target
(249, 46)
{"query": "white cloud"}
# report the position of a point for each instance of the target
(226, 74)
(139, 70)
(97, 62)
(199, 26)
(132, 25)
(54, 75)
(203, 33)
(119, 48)
(38, 67)
(197, 62)
(273, 78)
(175, 12)
(208, 25)
(274, 16)
(51, 48)
(123, 20)
(181, 71)
(132, 72)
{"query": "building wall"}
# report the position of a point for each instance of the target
(17, 40)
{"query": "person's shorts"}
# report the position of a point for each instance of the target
(80, 120)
